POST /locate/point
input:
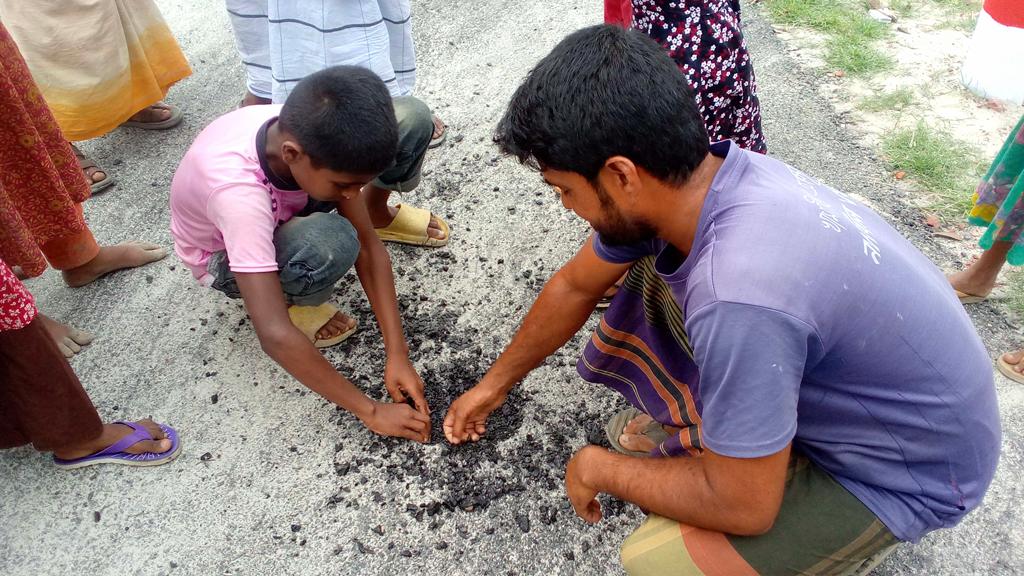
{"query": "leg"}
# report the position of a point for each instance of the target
(821, 528)
(980, 277)
(415, 127)
(69, 340)
(397, 16)
(45, 404)
(252, 37)
(81, 260)
(313, 253)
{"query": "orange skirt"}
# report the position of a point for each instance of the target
(97, 62)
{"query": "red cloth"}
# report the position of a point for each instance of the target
(41, 183)
(618, 12)
(1006, 12)
(17, 307)
(41, 400)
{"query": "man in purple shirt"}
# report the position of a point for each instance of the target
(807, 390)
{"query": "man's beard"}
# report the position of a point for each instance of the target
(614, 229)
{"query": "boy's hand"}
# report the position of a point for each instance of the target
(398, 420)
(401, 380)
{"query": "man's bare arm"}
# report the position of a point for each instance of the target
(561, 309)
(739, 496)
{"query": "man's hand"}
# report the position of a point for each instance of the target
(398, 420)
(467, 416)
(583, 497)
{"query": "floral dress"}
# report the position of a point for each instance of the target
(41, 183)
(705, 39)
(997, 201)
(17, 307)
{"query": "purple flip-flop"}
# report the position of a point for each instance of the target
(115, 454)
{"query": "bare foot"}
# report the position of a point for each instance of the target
(633, 436)
(112, 258)
(251, 99)
(111, 434)
(154, 114)
(68, 338)
(970, 284)
(336, 326)
(434, 229)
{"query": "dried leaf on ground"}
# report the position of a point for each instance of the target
(949, 233)
(994, 105)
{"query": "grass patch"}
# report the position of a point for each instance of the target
(855, 56)
(959, 5)
(848, 27)
(962, 22)
(834, 17)
(896, 100)
(903, 7)
(1015, 291)
(947, 168)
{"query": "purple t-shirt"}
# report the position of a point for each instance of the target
(813, 321)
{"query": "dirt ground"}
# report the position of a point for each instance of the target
(274, 480)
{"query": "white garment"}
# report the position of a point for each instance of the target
(281, 43)
(994, 67)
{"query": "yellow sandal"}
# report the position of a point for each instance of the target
(310, 319)
(410, 227)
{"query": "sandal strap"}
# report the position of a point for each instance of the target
(138, 435)
(84, 161)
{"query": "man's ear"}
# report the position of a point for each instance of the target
(621, 178)
(291, 151)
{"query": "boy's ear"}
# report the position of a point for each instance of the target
(291, 151)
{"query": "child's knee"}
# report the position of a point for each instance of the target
(327, 252)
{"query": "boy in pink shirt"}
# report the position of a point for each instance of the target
(253, 215)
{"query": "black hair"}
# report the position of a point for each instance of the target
(344, 119)
(605, 91)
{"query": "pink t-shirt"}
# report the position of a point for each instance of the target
(223, 197)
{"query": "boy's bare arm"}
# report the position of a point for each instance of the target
(290, 348)
(563, 306)
(373, 266)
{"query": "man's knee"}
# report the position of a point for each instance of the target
(657, 548)
(415, 122)
(315, 251)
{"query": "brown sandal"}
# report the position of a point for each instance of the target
(88, 163)
(173, 120)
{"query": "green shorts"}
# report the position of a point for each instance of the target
(821, 529)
